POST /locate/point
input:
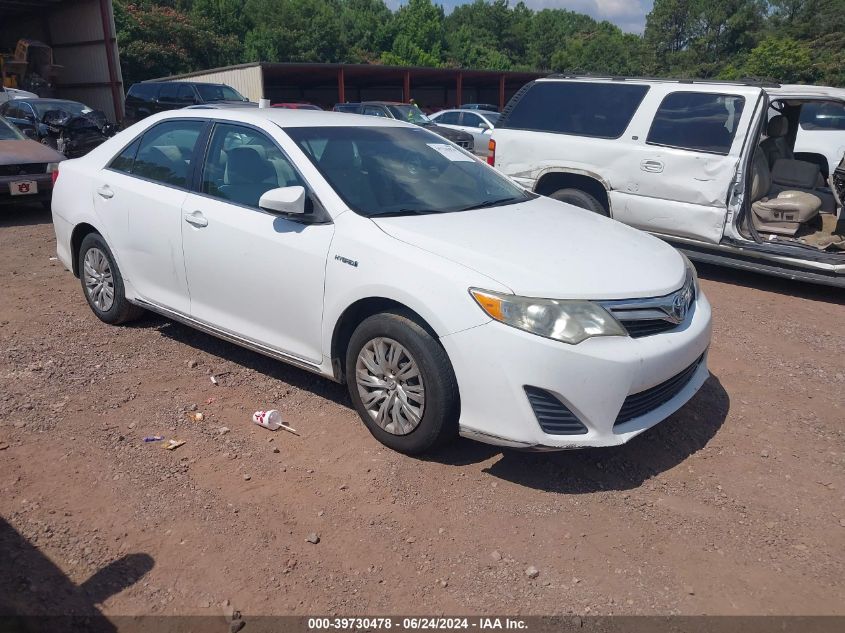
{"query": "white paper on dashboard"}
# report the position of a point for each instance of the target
(452, 153)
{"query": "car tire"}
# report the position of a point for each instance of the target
(580, 199)
(399, 428)
(102, 283)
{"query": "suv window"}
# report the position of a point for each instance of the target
(186, 94)
(166, 152)
(822, 115)
(146, 92)
(578, 108)
(169, 92)
(698, 121)
(243, 163)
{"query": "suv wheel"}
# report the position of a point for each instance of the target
(102, 282)
(580, 199)
(402, 383)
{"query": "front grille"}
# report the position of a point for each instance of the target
(654, 315)
(638, 404)
(23, 170)
(553, 416)
(647, 327)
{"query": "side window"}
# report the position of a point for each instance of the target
(580, 108)
(169, 92)
(185, 94)
(166, 152)
(450, 118)
(822, 115)
(704, 122)
(243, 163)
(14, 111)
(124, 161)
(471, 120)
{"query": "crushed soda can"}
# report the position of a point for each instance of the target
(271, 419)
(154, 438)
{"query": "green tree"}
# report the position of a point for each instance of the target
(294, 31)
(419, 35)
(159, 40)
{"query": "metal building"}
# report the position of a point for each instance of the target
(327, 84)
(82, 35)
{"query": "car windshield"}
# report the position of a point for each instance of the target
(409, 113)
(210, 92)
(73, 108)
(9, 132)
(381, 171)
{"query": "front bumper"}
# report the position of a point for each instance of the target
(44, 183)
(494, 363)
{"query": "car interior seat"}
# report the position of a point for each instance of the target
(777, 150)
(247, 176)
(785, 211)
(340, 164)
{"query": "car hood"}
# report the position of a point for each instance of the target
(546, 248)
(19, 152)
(449, 133)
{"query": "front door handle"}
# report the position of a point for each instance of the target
(654, 166)
(105, 192)
(196, 219)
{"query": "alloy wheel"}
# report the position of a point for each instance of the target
(99, 282)
(390, 385)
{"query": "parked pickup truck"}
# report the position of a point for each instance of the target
(709, 166)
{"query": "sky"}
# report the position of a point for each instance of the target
(629, 15)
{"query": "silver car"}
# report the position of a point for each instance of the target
(479, 123)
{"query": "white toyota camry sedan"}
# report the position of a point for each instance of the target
(375, 253)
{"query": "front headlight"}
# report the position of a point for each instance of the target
(691, 272)
(562, 320)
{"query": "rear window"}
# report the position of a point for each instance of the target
(824, 115)
(143, 91)
(698, 121)
(578, 108)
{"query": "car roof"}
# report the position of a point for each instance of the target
(40, 99)
(798, 90)
(284, 117)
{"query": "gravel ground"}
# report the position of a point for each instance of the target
(732, 506)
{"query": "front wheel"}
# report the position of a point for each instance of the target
(102, 282)
(402, 383)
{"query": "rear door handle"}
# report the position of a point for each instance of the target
(196, 219)
(654, 166)
(105, 192)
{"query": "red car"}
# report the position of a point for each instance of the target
(297, 106)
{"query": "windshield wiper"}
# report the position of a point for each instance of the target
(387, 214)
(490, 203)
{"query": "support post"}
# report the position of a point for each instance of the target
(501, 92)
(406, 87)
(341, 86)
(459, 90)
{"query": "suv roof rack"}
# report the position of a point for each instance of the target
(757, 82)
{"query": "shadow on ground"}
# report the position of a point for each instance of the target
(24, 215)
(768, 283)
(617, 468)
(35, 595)
(270, 367)
(572, 472)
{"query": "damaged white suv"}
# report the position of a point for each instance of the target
(709, 166)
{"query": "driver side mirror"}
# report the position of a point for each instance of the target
(289, 200)
(484, 125)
